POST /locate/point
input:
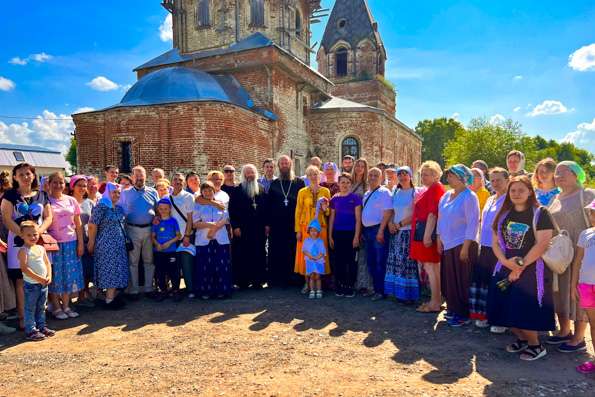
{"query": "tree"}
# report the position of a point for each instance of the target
(436, 134)
(489, 142)
(71, 155)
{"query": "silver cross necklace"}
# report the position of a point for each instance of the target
(286, 201)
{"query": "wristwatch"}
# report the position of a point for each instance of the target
(520, 262)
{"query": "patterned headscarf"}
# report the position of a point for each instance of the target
(106, 198)
(331, 166)
(463, 173)
(74, 179)
(576, 169)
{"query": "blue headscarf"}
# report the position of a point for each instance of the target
(106, 198)
(463, 173)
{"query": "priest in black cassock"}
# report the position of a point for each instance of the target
(282, 199)
(247, 207)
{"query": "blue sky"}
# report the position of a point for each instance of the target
(527, 60)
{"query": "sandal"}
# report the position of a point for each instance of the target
(60, 315)
(35, 336)
(48, 332)
(533, 353)
(586, 368)
(518, 346)
(425, 308)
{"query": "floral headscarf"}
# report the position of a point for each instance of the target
(576, 169)
(463, 173)
(106, 198)
(331, 166)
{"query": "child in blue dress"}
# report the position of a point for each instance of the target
(314, 253)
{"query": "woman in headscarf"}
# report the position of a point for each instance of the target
(479, 187)
(544, 182)
(515, 162)
(107, 244)
(458, 226)
(331, 175)
(568, 212)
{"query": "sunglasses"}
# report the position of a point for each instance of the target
(402, 173)
(229, 171)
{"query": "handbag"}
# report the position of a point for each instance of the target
(560, 253)
(48, 242)
(420, 231)
(127, 241)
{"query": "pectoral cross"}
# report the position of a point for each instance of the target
(286, 202)
(254, 205)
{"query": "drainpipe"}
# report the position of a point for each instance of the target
(237, 20)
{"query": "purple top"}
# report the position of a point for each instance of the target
(344, 207)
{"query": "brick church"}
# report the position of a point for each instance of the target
(237, 87)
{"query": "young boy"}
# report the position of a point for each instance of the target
(37, 275)
(165, 235)
(314, 252)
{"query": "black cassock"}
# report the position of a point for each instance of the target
(282, 199)
(248, 250)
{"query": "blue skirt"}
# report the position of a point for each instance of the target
(212, 276)
(402, 275)
(67, 270)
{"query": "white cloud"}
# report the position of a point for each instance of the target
(518, 108)
(497, 119)
(548, 107)
(583, 59)
(47, 130)
(41, 57)
(18, 61)
(101, 83)
(166, 32)
(455, 115)
(583, 137)
(518, 77)
(6, 84)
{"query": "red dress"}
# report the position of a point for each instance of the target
(426, 204)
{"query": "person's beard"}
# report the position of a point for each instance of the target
(285, 174)
(250, 187)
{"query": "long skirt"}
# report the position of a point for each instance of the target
(212, 275)
(518, 306)
(7, 295)
(300, 261)
(456, 278)
(402, 275)
(364, 279)
(67, 270)
(482, 274)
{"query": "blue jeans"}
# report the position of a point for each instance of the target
(36, 296)
(377, 255)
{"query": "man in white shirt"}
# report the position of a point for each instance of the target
(376, 213)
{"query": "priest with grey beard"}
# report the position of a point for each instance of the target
(247, 213)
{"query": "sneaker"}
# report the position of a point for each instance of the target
(5, 329)
(319, 294)
(586, 368)
(568, 348)
(305, 290)
(71, 313)
(448, 315)
(312, 295)
(48, 332)
(457, 321)
(481, 323)
(558, 340)
(497, 330)
(60, 315)
(35, 336)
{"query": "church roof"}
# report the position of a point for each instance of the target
(181, 84)
(358, 25)
(256, 40)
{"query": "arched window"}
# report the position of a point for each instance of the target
(341, 62)
(257, 13)
(298, 23)
(203, 15)
(350, 146)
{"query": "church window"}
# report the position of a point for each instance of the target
(341, 62)
(350, 146)
(298, 24)
(203, 17)
(125, 157)
(257, 13)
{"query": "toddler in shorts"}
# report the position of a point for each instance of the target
(583, 279)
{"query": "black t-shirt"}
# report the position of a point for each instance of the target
(517, 230)
(27, 208)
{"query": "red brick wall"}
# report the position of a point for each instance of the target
(177, 137)
(368, 92)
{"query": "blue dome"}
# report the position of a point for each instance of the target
(174, 84)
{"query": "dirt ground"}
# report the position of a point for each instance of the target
(276, 343)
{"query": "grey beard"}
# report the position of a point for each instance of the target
(250, 188)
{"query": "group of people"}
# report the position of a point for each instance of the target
(349, 228)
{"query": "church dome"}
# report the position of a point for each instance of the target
(174, 84)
